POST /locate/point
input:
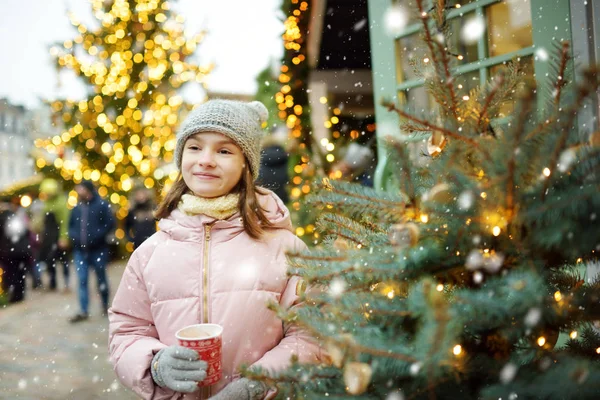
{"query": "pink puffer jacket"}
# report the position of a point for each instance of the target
(189, 273)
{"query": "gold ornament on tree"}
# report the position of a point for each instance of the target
(338, 350)
(357, 377)
(335, 353)
(435, 144)
(440, 193)
(404, 235)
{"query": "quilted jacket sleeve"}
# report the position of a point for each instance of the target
(296, 341)
(133, 339)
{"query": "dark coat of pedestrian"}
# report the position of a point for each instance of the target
(90, 223)
(54, 235)
(140, 223)
(274, 173)
(15, 252)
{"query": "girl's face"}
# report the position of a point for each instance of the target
(211, 164)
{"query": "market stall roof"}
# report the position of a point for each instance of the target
(18, 188)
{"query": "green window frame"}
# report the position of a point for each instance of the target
(550, 23)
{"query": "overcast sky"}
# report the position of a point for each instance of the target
(243, 38)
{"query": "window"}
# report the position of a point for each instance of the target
(507, 36)
(521, 30)
(17, 142)
(19, 124)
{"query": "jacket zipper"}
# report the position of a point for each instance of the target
(206, 392)
(207, 229)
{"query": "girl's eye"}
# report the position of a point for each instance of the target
(225, 151)
(193, 147)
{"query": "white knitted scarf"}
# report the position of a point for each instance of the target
(219, 207)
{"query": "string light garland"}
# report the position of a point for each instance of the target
(293, 107)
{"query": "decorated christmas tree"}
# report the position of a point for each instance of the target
(457, 284)
(133, 64)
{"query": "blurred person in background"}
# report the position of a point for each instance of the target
(357, 165)
(36, 225)
(90, 224)
(273, 173)
(54, 238)
(15, 250)
(140, 223)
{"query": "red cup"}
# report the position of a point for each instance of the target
(207, 340)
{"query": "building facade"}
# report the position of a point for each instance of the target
(16, 163)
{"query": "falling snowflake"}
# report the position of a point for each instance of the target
(15, 228)
(337, 287)
(466, 200)
(248, 271)
(395, 396)
(415, 368)
(533, 316)
(474, 259)
(360, 24)
(592, 271)
(566, 159)
(542, 54)
(395, 20)
(477, 277)
(494, 262)
(472, 30)
(508, 373)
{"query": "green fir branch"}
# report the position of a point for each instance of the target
(439, 58)
(347, 228)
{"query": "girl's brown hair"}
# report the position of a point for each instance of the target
(253, 216)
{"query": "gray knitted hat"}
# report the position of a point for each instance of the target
(239, 121)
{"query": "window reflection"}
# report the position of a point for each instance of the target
(468, 52)
(509, 26)
(420, 101)
(467, 82)
(410, 53)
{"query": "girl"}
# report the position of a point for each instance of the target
(218, 257)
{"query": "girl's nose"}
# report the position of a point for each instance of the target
(206, 158)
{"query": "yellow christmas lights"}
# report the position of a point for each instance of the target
(457, 350)
(125, 130)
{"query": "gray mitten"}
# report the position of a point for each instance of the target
(242, 389)
(178, 368)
